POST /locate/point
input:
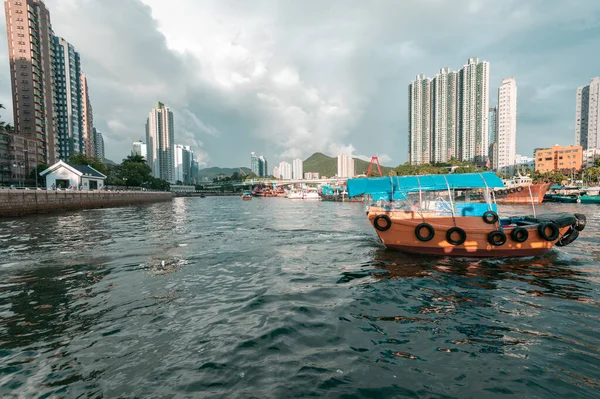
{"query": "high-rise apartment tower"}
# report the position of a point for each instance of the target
(160, 142)
(506, 135)
(587, 118)
(29, 34)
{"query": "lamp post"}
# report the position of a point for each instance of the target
(18, 165)
(125, 181)
(36, 169)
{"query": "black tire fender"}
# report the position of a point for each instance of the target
(388, 222)
(568, 238)
(462, 236)
(581, 221)
(430, 230)
(519, 234)
(497, 238)
(490, 217)
(554, 231)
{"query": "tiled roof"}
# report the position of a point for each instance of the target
(87, 170)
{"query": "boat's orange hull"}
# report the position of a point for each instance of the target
(401, 236)
(538, 191)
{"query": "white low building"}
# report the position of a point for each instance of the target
(524, 163)
(80, 177)
(590, 156)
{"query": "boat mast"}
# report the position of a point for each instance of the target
(451, 201)
(531, 199)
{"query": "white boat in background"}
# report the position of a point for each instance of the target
(311, 194)
(295, 195)
(305, 194)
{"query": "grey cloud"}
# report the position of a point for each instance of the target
(290, 78)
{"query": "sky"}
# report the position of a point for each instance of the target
(287, 78)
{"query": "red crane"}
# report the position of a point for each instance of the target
(373, 161)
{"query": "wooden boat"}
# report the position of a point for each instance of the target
(522, 194)
(246, 196)
(419, 214)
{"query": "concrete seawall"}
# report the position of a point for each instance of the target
(25, 202)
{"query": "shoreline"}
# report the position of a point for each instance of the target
(29, 202)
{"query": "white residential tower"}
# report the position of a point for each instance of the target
(506, 135)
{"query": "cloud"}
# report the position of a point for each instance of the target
(286, 79)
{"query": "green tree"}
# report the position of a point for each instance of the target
(592, 174)
(135, 158)
(40, 179)
(159, 184)
(82, 159)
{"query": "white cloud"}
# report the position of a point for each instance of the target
(290, 78)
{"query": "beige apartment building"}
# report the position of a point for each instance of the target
(30, 53)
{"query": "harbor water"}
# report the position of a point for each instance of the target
(273, 298)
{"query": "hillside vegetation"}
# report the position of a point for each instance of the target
(327, 166)
(211, 173)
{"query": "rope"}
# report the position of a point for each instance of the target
(451, 201)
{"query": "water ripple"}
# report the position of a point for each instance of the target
(272, 298)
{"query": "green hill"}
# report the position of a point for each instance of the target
(327, 166)
(211, 173)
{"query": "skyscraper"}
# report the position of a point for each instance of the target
(263, 168)
(29, 33)
(419, 121)
(448, 115)
(254, 164)
(68, 98)
(139, 148)
(587, 119)
(492, 129)
(195, 172)
(506, 142)
(99, 142)
(345, 166)
(183, 163)
(285, 170)
(87, 117)
(492, 124)
(445, 88)
(276, 173)
(297, 169)
(473, 101)
(159, 141)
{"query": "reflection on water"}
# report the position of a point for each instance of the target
(217, 297)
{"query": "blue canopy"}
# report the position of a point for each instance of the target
(383, 187)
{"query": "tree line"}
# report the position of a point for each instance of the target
(132, 172)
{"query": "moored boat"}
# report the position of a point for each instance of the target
(305, 194)
(521, 190)
(246, 195)
(591, 196)
(420, 214)
(311, 194)
(565, 199)
(295, 195)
